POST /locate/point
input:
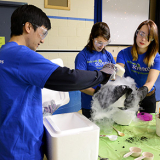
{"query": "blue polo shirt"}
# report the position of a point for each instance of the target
(23, 75)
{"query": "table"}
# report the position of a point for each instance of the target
(139, 133)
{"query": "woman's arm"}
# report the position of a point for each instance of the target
(151, 79)
(121, 64)
(89, 91)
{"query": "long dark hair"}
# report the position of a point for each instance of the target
(98, 29)
(153, 46)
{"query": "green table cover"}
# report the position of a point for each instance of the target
(139, 133)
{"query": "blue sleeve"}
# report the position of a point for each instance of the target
(120, 57)
(34, 69)
(110, 57)
(81, 61)
(156, 62)
(112, 60)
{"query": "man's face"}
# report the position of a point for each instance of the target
(37, 37)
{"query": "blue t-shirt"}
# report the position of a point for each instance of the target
(23, 75)
(137, 70)
(85, 60)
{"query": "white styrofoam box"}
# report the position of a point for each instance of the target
(71, 136)
(60, 98)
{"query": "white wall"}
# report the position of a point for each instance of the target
(66, 34)
(72, 34)
(67, 57)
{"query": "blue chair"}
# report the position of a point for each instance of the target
(74, 104)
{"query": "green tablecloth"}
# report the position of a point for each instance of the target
(139, 133)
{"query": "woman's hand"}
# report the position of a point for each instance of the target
(137, 95)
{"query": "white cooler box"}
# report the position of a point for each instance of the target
(71, 136)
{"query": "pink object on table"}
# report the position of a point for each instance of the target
(144, 116)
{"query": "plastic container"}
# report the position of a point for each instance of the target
(124, 117)
(157, 125)
(60, 98)
(120, 71)
(71, 136)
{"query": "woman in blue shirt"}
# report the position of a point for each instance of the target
(142, 63)
(93, 57)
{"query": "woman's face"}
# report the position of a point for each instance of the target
(99, 43)
(142, 39)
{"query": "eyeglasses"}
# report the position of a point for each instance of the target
(99, 44)
(143, 35)
(43, 33)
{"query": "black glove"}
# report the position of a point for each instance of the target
(109, 94)
(97, 89)
(142, 92)
(132, 96)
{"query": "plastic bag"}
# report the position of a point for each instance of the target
(49, 107)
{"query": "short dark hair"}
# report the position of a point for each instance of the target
(98, 29)
(28, 13)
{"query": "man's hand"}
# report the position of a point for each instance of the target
(109, 68)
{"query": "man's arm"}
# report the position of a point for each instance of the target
(65, 79)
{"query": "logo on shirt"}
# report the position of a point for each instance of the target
(1, 61)
(137, 67)
(99, 63)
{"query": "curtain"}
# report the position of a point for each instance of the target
(97, 11)
(157, 19)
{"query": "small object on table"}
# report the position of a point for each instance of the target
(111, 137)
(146, 155)
(134, 151)
(119, 133)
(144, 116)
(103, 158)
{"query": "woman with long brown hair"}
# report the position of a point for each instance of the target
(142, 63)
(93, 57)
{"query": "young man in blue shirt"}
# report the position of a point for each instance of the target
(23, 74)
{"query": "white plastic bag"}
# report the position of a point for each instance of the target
(52, 100)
